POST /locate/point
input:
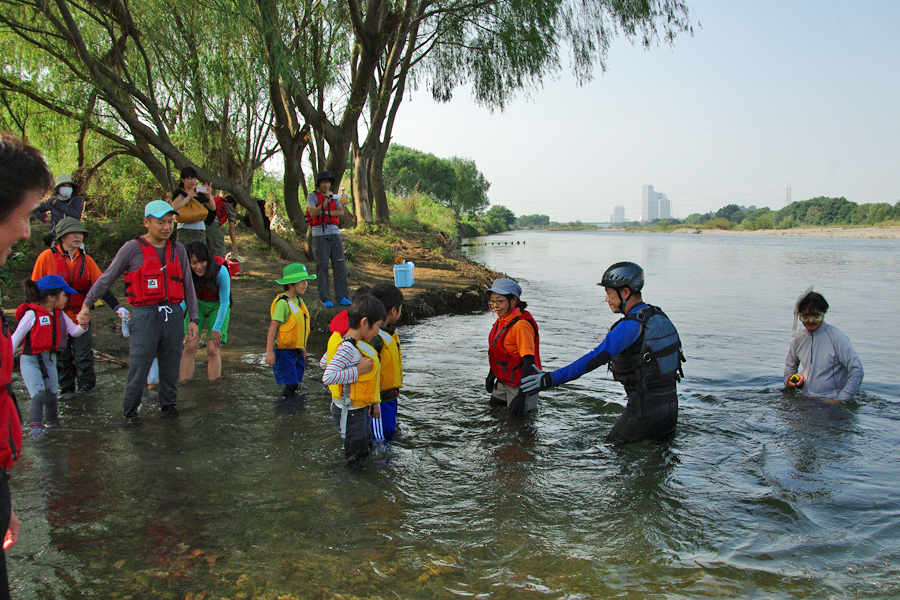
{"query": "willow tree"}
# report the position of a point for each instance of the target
(151, 81)
(500, 48)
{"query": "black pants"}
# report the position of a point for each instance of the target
(76, 360)
(5, 513)
(657, 423)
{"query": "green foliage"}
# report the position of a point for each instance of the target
(732, 213)
(455, 182)
(533, 222)
(718, 223)
(499, 218)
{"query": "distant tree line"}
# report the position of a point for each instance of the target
(817, 212)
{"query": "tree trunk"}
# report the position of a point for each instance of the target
(362, 200)
(376, 185)
(293, 177)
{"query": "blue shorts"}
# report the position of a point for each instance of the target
(384, 427)
(289, 366)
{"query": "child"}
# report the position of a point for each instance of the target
(512, 348)
(354, 371)
(43, 327)
(212, 283)
(289, 330)
(388, 346)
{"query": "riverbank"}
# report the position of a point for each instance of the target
(445, 283)
(872, 233)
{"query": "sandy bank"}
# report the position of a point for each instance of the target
(873, 233)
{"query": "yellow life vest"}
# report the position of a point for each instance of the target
(364, 391)
(391, 361)
(333, 342)
(294, 332)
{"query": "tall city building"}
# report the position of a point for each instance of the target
(649, 204)
(618, 215)
(665, 207)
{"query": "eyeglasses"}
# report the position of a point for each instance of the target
(812, 317)
(498, 301)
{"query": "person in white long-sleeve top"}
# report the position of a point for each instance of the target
(821, 361)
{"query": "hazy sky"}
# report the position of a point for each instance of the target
(765, 94)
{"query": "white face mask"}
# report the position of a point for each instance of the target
(65, 191)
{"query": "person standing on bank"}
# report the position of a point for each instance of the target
(831, 367)
(65, 202)
(69, 260)
(24, 179)
(512, 348)
(193, 207)
(157, 278)
(644, 353)
(323, 213)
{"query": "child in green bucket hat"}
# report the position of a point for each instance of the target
(289, 330)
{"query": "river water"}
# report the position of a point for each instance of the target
(760, 494)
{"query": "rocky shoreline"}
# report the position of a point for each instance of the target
(872, 233)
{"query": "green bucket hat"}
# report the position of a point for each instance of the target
(293, 273)
(69, 225)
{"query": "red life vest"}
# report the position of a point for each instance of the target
(325, 216)
(155, 283)
(78, 281)
(506, 365)
(209, 293)
(47, 334)
(10, 426)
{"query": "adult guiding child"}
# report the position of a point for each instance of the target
(69, 260)
(157, 278)
(644, 353)
(323, 213)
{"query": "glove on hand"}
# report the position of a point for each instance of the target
(535, 383)
(489, 382)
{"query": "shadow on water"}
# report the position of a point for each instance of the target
(245, 495)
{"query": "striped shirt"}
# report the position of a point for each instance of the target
(341, 369)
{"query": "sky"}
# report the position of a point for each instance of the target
(765, 95)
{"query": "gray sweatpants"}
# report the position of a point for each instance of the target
(156, 332)
(39, 374)
(330, 247)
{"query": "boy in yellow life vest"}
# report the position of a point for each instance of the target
(388, 346)
(289, 330)
(355, 371)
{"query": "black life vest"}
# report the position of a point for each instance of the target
(650, 368)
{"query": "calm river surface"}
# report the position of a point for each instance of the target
(760, 495)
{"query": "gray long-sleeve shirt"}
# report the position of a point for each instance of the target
(128, 259)
(831, 367)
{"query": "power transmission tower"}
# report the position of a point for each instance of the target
(787, 196)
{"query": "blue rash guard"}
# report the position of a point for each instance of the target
(619, 338)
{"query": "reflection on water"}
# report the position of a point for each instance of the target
(245, 495)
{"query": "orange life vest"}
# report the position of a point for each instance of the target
(77, 280)
(506, 365)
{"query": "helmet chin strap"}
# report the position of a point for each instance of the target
(621, 301)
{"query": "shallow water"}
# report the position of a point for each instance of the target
(759, 495)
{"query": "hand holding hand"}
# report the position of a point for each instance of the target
(365, 365)
(535, 383)
(84, 315)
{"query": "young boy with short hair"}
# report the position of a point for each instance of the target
(354, 371)
(289, 330)
(388, 346)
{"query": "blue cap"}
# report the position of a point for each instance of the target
(158, 209)
(54, 282)
(505, 287)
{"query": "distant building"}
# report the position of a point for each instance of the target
(649, 204)
(654, 205)
(618, 215)
(665, 207)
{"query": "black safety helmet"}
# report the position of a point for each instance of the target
(323, 176)
(623, 275)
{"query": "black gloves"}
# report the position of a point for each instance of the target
(489, 382)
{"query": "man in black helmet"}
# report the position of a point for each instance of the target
(323, 212)
(644, 354)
